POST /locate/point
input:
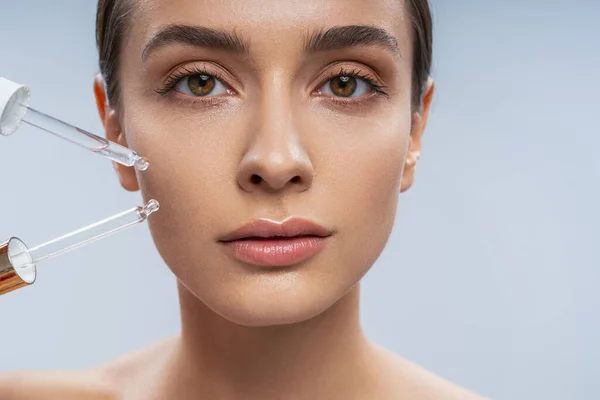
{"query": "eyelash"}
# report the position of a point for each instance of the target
(369, 79)
(177, 76)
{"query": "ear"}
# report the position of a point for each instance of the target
(109, 118)
(419, 122)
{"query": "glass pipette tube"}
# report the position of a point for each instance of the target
(18, 263)
(14, 109)
(83, 236)
(80, 137)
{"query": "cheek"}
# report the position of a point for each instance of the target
(192, 175)
(364, 176)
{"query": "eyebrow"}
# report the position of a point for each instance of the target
(334, 38)
(341, 37)
(196, 36)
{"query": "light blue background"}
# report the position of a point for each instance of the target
(491, 275)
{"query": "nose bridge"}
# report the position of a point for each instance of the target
(274, 116)
(275, 157)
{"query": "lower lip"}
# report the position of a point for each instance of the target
(276, 252)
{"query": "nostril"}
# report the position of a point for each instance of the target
(255, 179)
(296, 179)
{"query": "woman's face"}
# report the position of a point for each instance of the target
(269, 110)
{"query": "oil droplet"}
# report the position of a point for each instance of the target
(149, 208)
(141, 163)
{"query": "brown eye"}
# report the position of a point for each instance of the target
(343, 86)
(346, 86)
(201, 85)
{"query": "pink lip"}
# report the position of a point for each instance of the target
(276, 244)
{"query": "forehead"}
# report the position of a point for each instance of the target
(267, 23)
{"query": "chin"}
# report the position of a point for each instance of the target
(263, 317)
(271, 299)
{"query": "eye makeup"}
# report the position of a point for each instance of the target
(347, 85)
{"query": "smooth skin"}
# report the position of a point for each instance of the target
(274, 111)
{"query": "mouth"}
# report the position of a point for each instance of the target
(276, 244)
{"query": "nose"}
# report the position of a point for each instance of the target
(275, 160)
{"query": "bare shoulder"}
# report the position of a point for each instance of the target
(410, 380)
(105, 382)
(45, 385)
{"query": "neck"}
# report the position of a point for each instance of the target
(229, 361)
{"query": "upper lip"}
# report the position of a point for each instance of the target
(264, 228)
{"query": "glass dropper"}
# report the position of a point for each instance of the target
(80, 137)
(15, 109)
(18, 262)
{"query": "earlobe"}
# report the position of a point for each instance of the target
(410, 164)
(419, 122)
(112, 127)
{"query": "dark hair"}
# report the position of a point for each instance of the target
(111, 26)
